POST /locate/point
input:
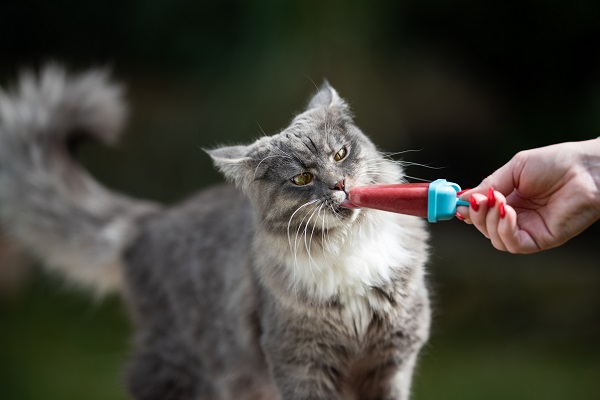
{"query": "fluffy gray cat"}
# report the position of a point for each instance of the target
(271, 290)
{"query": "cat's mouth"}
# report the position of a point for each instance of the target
(341, 206)
(347, 204)
(346, 209)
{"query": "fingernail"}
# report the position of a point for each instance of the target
(474, 204)
(462, 191)
(491, 198)
(459, 216)
(501, 210)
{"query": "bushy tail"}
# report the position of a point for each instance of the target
(48, 203)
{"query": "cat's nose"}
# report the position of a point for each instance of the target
(340, 185)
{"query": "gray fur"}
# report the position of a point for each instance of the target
(268, 291)
(47, 203)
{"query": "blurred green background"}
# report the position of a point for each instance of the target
(468, 83)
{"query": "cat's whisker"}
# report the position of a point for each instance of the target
(392, 154)
(294, 213)
(402, 163)
(313, 82)
(313, 230)
(326, 129)
(298, 237)
(328, 236)
(260, 226)
(335, 212)
(372, 167)
(375, 176)
(261, 129)
(417, 179)
(310, 267)
(380, 167)
(305, 233)
(323, 243)
(375, 164)
(292, 156)
(410, 163)
(380, 170)
(380, 174)
(383, 157)
(327, 245)
(267, 157)
(384, 164)
(382, 160)
(325, 233)
(387, 174)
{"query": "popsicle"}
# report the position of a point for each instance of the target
(436, 201)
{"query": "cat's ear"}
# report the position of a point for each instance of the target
(327, 96)
(234, 162)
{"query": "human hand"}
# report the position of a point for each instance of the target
(540, 199)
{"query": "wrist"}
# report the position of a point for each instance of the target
(592, 164)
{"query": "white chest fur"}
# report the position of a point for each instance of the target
(351, 263)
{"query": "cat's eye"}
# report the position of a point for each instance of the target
(341, 154)
(302, 179)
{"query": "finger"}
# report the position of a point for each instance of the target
(463, 211)
(478, 211)
(508, 231)
(505, 179)
(517, 241)
(496, 212)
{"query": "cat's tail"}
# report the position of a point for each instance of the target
(48, 204)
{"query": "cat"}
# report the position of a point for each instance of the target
(269, 287)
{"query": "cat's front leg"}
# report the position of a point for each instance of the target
(302, 380)
(303, 369)
(387, 380)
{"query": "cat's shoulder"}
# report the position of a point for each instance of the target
(217, 197)
(218, 203)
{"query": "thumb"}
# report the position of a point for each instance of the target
(505, 179)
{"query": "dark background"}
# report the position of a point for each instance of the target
(467, 83)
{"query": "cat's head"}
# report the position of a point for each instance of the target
(300, 177)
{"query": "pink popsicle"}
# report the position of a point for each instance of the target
(406, 198)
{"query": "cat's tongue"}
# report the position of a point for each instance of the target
(346, 203)
(435, 201)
